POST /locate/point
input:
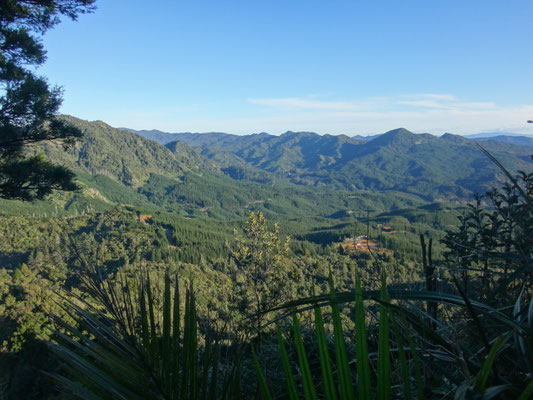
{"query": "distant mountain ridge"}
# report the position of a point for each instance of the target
(367, 138)
(431, 168)
(117, 167)
(485, 135)
(197, 139)
(422, 164)
(516, 140)
(167, 137)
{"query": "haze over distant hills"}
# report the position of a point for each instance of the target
(486, 135)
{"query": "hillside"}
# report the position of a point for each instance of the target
(449, 167)
(126, 158)
(295, 174)
(291, 151)
(115, 167)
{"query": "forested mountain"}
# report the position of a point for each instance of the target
(125, 158)
(115, 167)
(367, 138)
(433, 167)
(219, 174)
(449, 167)
(166, 137)
(284, 154)
(209, 139)
(516, 140)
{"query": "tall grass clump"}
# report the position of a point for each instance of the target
(138, 342)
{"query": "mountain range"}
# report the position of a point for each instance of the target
(294, 174)
(449, 167)
(518, 139)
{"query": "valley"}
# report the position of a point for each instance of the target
(354, 222)
(183, 206)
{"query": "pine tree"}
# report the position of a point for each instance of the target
(28, 104)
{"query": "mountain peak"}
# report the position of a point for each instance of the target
(450, 137)
(399, 132)
(398, 136)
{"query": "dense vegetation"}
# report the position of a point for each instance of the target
(447, 168)
(239, 239)
(470, 339)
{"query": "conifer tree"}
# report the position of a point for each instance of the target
(28, 104)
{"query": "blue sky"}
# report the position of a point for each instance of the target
(351, 67)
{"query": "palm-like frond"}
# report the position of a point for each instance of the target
(137, 353)
(344, 382)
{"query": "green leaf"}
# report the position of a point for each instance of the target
(291, 386)
(309, 388)
(403, 359)
(363, 367)
(418, 368)
(384, 366)
(325, 364)
(343, 368)
(262, 382)
(484, 372)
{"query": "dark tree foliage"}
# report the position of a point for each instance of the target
(495, 237)
(28, 104)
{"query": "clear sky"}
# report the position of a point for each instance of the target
(352, 67)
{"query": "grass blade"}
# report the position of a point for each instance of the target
(214, 373)
(400, 294)
(418, 368)
(325, 364)
(309, 388)
(193, 347)
(206, 361)
(484, 372)
(153, 336)
(262, 382)
(384, 366)
(166, 371)
(345, 376)
(403, 359)
(363, 367)
(145, 333)
(176, 319)
(527, 393)
(186, 352)
(291, 386)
